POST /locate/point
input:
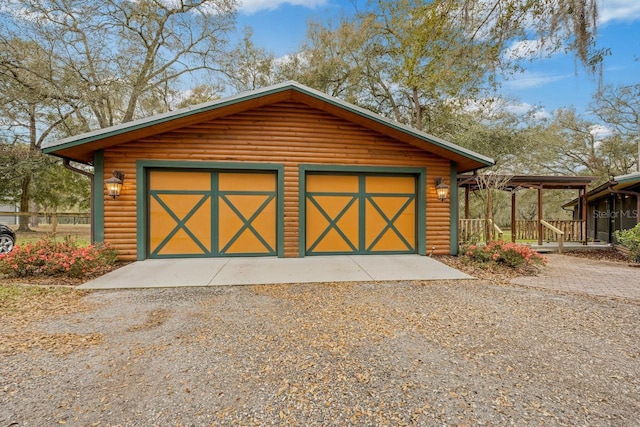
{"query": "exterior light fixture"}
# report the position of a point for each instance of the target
(114, 184)
(442, 190)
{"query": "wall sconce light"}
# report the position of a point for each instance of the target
(114, 184)
(442, 190)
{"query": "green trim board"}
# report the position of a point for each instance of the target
(144, 167)
(98, 196)
(215, 207)
(362, 212)
(364, 199)
(453, 209)
(629, 178)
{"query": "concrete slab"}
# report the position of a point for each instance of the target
(255, 271)
(403, 267)
(156, 273)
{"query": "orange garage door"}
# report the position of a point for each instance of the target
(211, 213)
(360, 214)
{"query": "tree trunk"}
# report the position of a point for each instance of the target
(24, 204)
(26, 181)
(418, 109)
(54, 222)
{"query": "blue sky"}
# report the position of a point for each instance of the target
(547, 83)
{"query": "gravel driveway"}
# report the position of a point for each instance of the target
(437, 353)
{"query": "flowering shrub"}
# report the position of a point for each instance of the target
(50, 258)
(510, 254)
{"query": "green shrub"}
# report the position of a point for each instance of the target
(50, 258)
(500, 252)
(472, 238)
(630, 239)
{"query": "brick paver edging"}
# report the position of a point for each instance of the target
(583, 275)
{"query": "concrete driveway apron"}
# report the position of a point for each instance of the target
(267, 270)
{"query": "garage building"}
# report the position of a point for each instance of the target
(282, 171)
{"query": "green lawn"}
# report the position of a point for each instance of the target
(506, 236)
(81, 234)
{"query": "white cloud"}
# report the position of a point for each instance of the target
(524, 108)
(17, 11)
(287, 58)
(494, 107)
(528, 79)
(526, 49)
(615, 68)
(253, 6)
(600, 132)
(618, 10)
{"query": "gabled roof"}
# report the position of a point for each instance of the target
(621, 183)
(81, 147)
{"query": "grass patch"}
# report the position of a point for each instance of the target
(81, 234)
(506, 236)
(26, 238)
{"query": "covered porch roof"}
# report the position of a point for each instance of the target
(515, 182)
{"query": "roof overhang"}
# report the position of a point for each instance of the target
(621, 184)
(516, 182)
(631, 178)
(81, 147)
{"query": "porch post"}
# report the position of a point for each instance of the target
(585, 216)
(513, 217)
(466, 202)
(489, 220)
(540, 215)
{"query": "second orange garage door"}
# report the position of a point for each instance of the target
(360, 214)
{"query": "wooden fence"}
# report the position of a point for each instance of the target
(528, 230)
(36, 219)
(474, 230)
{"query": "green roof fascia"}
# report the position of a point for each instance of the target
(246, 96)
(628, 178)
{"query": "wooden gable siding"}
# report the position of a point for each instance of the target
(287, 133)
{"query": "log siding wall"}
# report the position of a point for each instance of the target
(288, 133)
